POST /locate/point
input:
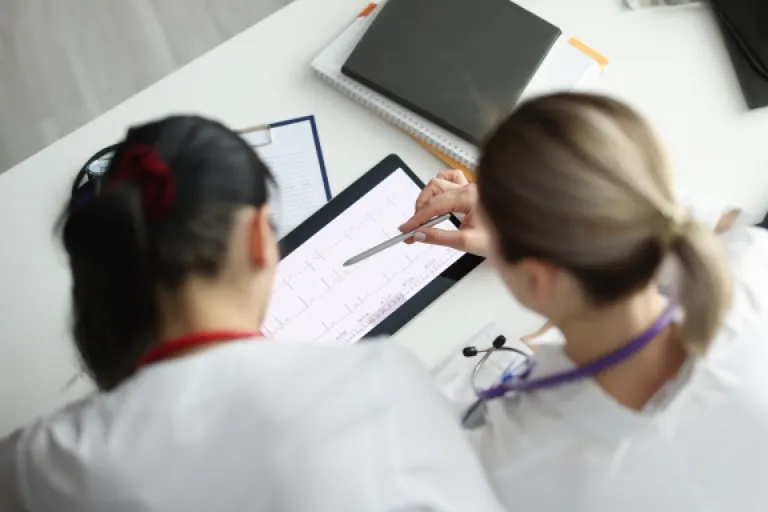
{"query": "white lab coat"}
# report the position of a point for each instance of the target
(253, 426)
(701, 443)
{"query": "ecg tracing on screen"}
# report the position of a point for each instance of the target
(317, 299)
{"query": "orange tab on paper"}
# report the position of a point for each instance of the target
(368, 10)
(599, 58)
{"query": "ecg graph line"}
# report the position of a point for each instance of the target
(316, 299)
(360, 299)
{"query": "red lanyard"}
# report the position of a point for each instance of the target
(172, 348)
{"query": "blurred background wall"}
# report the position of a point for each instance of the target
(64, 62)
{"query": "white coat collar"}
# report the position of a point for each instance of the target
(585, 405)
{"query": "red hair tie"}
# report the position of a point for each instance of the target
(141, 166)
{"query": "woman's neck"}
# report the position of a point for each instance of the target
(599, 332)
(202, 307)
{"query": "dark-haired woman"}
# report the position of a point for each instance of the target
(649, 401)
(172, 265)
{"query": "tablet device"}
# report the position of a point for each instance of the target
(316, 299)
(461, 64)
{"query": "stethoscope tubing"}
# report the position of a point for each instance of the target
(521, 383)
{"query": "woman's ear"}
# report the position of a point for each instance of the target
(260, 237)
(539, 280)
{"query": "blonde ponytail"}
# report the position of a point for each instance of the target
(704, 287)
(583, 181)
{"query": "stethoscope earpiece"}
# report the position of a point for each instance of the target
(497, 344)
(470, 351)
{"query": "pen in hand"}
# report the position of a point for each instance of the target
(394, 241)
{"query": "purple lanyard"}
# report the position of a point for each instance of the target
(587, 370)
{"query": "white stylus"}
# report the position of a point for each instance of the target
(394, 241)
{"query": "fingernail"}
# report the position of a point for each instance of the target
(419, 237)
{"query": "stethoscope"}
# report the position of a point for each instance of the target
(498, 345)
(515, 379)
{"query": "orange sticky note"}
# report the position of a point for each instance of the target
(599, 58)
(368, 10)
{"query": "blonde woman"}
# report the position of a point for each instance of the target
(650, 402)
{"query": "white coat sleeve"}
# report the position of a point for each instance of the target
(10, 497)
(436, 465)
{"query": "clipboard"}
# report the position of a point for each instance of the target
(316, 299)
(292, 151)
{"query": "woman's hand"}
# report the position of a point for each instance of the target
(449, 192)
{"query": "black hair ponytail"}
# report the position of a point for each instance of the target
(165, 210)
(115, 314)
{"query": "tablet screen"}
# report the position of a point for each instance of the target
(317, 299)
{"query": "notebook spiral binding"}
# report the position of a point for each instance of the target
(403, 121)
(327, 67)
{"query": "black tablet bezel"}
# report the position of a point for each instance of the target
(416, 304)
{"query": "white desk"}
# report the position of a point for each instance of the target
(681, 78)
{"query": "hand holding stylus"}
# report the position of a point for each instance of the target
(373, 251)
(449, 192)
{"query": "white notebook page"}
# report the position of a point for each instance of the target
(292, 156)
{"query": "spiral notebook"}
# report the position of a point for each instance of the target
(569, 65)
